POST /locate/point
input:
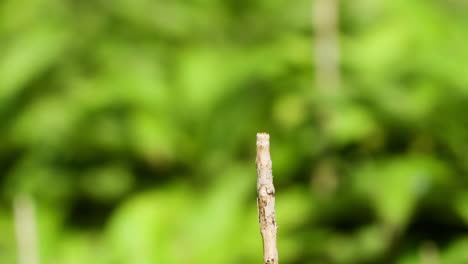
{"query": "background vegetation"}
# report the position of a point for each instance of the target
(131, 124)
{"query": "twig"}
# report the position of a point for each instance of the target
(26, 233)
(266, 199)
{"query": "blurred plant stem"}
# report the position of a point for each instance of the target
(26, 233)
(429, 253)
(327, 55)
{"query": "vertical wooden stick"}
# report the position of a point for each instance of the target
(26, 233)
(266, 199)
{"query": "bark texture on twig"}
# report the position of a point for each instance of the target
(266, 199)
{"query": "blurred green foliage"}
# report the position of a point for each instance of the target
(131, 123)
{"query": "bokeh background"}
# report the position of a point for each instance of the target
(127, 130)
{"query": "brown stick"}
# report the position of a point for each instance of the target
(266, 199)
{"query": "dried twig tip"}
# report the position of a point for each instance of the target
(263, 139)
